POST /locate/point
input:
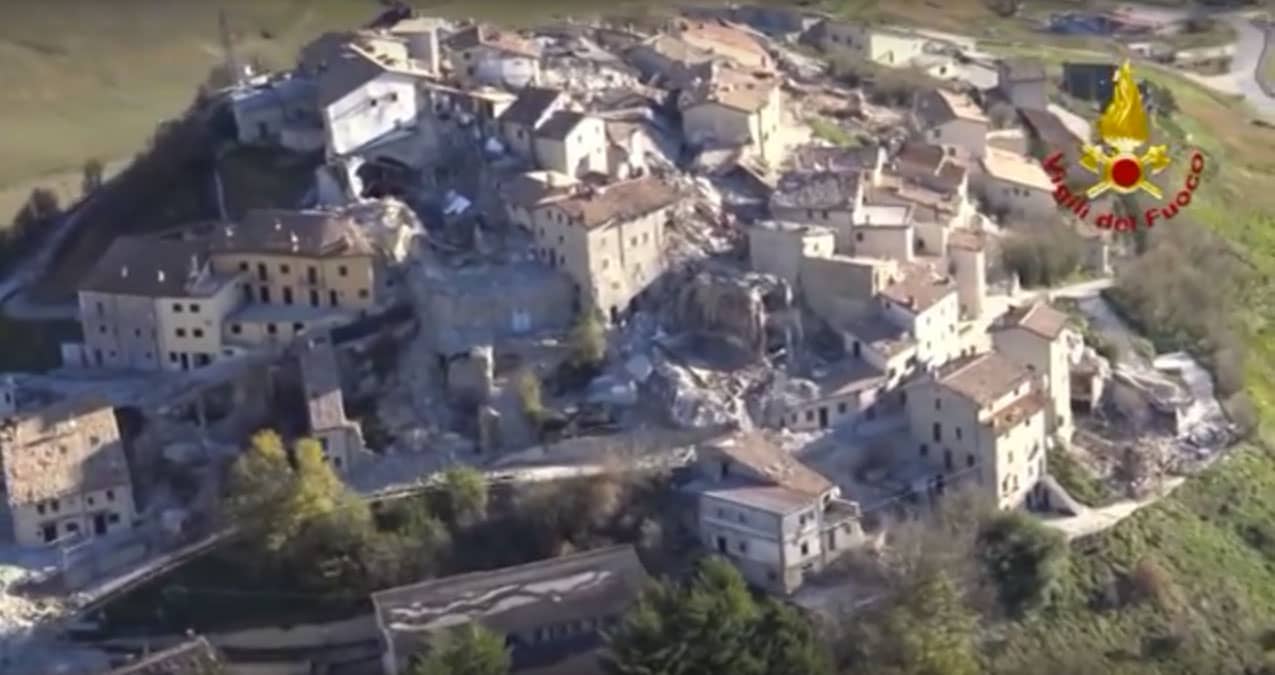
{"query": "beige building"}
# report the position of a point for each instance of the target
(733, 108)
(943, 117)
(778, 248)
(609, 240)
(927, 306)
(982, 419)
(297, 270)
(1015, 186)
(844, 393)
(1035, 336)
(722, 38)
(775, 519)
(829, 199)
(572, 143)
(487, 55)
(525, 193)
(155, 304)
(65, 473)
(862, 42)
(340, 438)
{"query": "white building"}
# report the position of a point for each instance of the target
(1015, 186)
(775, 519)
(877, 44)
(363, 97)
(1035, 337)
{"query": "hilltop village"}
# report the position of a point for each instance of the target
(758, 252)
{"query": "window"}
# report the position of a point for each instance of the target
(332, 298)
(925, 450)
(958, 433)
(938, 404)
(841, 408)
(110, 495)
(194, 308)
(938, 432)
(181, 332)
(72, 527)
(197, 332)
(55, 505)
(262, 274)
(284, 269)
(236, 329)
(858, 236)
(314, 298)
(969, 460)
(721, 513)
(177, 307)
(363, 293)
(172, 356)
(312, 274)
(39, 508)
(102, 329)
(272, 329)
(101, 310)
(137, 332)
(742, 546)
(243, 267)
(113, 518)
(805, 548)
(265, 294)
(810, 415)
(741, 517)
(287, 295)
(343, 270)
(298, 327)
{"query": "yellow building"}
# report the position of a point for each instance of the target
(296, 270)
(65, 473)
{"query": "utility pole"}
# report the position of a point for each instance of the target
(234, 70)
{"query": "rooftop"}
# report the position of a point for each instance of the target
(1047, 127)
(772, 498)
(877, 332)
(918, 289)
(836, 158)
(940, 106)
(357, 63)
(530, 106)
(929, 165)
(816, 190)
(734, 88)
(721, 35)
(312, 233)
(68, 447)
(1028, 405)
(492, 38)
(321, 379)
(595, 207)
(154, 267)
(677, 49)
(846, 376)
(1039, 318)
(1016, 168)
(537, 187)
(560, 125)
(760, 455)
(983, 378)
(598, 583)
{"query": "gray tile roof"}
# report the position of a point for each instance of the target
(147, 267)
(346, 71)
(620, 201)
(312, 233)
(530, 106)
(816, 190)
(560, 125)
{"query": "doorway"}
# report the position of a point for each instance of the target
(721, 544)
(99, 523)
(823, 418)
(185, 360)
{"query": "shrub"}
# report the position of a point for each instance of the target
(1042, 259)
(1023, 558)
(1152, 583)
(529, 396)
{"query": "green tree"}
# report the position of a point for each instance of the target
(926, 630)
(529, 396)
(468, 650)
(260, 480)
(588, 340)
(712, 625)
(462, 497)
(1023, 557)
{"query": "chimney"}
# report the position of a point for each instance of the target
(193, 272)
(295, 241)
(278, 225)
(160, 275)
(124, 271)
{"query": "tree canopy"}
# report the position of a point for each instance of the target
(713, 624)
(926, 630)
(1023, 557)
(468, 650)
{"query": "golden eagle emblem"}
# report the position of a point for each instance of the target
(1123, 129)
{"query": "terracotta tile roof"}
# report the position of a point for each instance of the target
(312, 233)
(742, 90)
(918, 289)
(754, 451)
(983, 378)
(619, 202)
(151, 267)
(70, 447)
(1032, 403)
(1039, 318)
(720, 36)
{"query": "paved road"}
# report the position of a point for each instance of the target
(1245, 67)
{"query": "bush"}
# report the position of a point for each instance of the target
(1152, 583)
(1042, 259)
(1023, 558)
(529, 396)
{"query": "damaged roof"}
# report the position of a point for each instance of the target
(560, 125)
(877, 332)
(816, 190)
(628, 200)
(312, 233)
(582, 586)
(530, 106)
(72, 446)
(918, 289)
(537, 187)
(763, 457)
(935, 107)
(930, 165)
(1039, 318)
(492, 38)
(734, 88)
(718, 36)
(983, 378)
(836, 158)
(772, 498)
(148, 267)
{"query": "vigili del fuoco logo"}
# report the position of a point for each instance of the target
(1119, 165)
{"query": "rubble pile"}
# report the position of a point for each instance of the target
(702, 398)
